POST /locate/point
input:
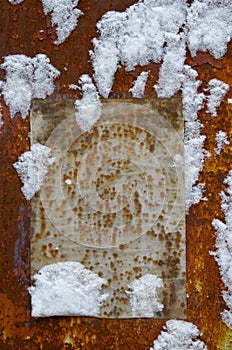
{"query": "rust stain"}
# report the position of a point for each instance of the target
(20, 26)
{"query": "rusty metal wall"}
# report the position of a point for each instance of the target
(20, 33)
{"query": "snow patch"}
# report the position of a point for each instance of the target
(15, 2)
(179, 335)
(222, 140)
(139, 85)
(143, 296)
(64, 14)
(73, 87)
(209, 26)
(134, 37)
(1, 121)
(32, 168)
(223, 254)
(66, 288)
(89, 107)
(193, 141)
(150, 31)
(26, 78)
(161, 31)
(218, 90)
(171, 73)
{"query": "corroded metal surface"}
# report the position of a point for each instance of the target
(20, 33)
(114, 199)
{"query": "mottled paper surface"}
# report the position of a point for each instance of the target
(114, 199)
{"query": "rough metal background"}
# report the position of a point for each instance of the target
(20, 33)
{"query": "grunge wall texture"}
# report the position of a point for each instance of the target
(20, 33)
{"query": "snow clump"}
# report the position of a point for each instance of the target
(179, 335)
(171, 74)
(149, 31)
(66, 289)
(32, 168)
(139, 85)
(193, 141)
(161, 31)
(26, 78)
(217, 89)
(222, 140)
(89, 107)
(134, 37)
(209, 26)
(223, 253)
(15, 2)
(143, 296)
(64, 14)
(73, 87)
(1, 121)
